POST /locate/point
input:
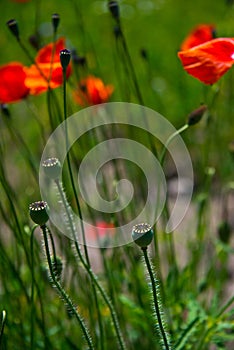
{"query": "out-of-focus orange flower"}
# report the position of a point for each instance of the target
(199, 35)
(46, 72)
(210, 60)
(12, 83)
(92, 91)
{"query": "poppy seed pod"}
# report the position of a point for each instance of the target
(196, 115)
(114, 9)
(13, 26)
(38, 212)
(142, 234)
(52, 168)
(65, 56)
(55, 21)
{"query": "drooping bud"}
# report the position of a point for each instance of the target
(55, 21)
(52, 168)
(196, 115)
(142, 234)
(65, 56)
(13, 26)
(114, 9)
(38, 212)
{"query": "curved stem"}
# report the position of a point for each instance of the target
(170, 138)
(156, 301)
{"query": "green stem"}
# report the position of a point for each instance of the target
(92, 276)
(156, 301)
(70, 169)
(169, 140)
(32, 287)
(78, 202)
(224, 308)
(62, 292)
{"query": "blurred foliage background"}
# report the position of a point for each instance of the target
(154, 30)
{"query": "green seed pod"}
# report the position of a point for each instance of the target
(114, 9)
(65, 56)
(55, 21)
(39, 212)
(142, 234)
(13, 26)
(52, 168)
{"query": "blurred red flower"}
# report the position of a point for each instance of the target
(92, 91)
(210, 60)
(46, 73)
(12, 82)
(199, 35)
(101, 230)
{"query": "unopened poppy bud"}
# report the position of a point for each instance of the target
(38, 212)
(142, 234)
(5, 110)
(114, 9)
(52, 168)
(65, 56)
(13, 26)
(195, 116)
(55, 21)
(34, 40)
(224, 231)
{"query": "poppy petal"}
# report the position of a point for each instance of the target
(209, 61)
(199, 35)
(12, 83)
(45, 73)
(44, 55)
(92, 91)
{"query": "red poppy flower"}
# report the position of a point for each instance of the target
(46, 73)
(12, 83)
(199, 35)
(92, 91)
(210, 60)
